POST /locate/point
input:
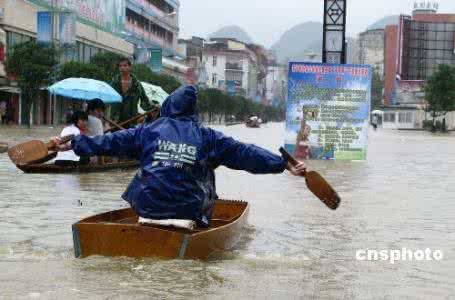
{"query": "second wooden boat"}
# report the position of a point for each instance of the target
(253, 124)
(90, 168)
(118, 233)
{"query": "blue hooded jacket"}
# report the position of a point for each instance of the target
(177, 160)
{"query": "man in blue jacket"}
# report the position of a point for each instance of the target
(178, 157)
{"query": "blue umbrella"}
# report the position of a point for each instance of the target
(85, 89)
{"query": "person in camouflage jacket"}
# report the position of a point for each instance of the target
(132, 92)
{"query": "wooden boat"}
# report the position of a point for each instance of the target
(90, 168)
(118, 233)
(232, 123)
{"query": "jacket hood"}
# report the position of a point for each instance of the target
(181, 104)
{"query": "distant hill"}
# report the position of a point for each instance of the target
(305, 37)
(233, 31)
(382, 23)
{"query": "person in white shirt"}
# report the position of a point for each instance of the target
(95, 111)
(76, 127)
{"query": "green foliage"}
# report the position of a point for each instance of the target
(377, 89)
(214, 102)
(32, 64)
(77, 69)
(168, 83)
(440, 92)
(107, 62)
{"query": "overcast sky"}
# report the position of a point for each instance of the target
(266, 20)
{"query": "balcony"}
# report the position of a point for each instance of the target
(147, 36)
(150, 11)
(234, 67)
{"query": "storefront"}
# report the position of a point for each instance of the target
(403, 118)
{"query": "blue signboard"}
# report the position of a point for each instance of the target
(67, 29)
(233, 87)
(44, 27)
(328, 111)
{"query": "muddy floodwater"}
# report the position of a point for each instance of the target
(402, 197)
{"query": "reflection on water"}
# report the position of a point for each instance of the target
(295, 247)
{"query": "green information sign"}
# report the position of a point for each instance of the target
(156, 60)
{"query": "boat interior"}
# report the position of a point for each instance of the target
(224, 212)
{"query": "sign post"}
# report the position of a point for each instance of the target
(328, 111)
(334, 30)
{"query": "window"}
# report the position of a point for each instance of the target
(95, 51)
(402, 117)
(409, 117)
(214, 79)
(215, 60)
(80, 48)
(86, 53)
(13, 39)
(389, 117)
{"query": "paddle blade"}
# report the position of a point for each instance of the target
(27, 153)
(322, 189)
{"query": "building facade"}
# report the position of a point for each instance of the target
(154, 24)
(276, 84)
(413, 51)
(371, 49)
(231, 66)
(96, 31)
(371, 44)
(191, 50)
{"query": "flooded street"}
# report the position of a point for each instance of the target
(402, 197)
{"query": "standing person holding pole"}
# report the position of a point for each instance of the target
(131, 90)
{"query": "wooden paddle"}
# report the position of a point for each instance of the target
(33, 151)
(154, 114)
(316, 184)
(113, 123)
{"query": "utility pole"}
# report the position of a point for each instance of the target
(334, 32)
(54, 36)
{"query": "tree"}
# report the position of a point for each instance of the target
(107, 61)
(440, 92)
(212, 102)
(77, 69)
(166, 82)
(32, 64)
(377, 89)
